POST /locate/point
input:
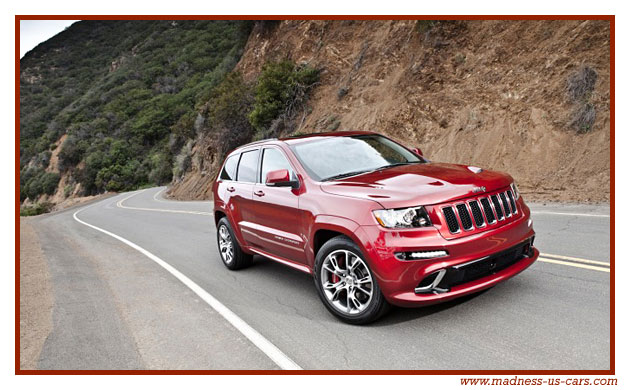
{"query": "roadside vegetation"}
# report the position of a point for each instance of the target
(133, 98)
(238, 112)
(36, 209)
(119, 90)
(280, 96)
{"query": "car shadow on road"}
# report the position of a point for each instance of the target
(398, 315)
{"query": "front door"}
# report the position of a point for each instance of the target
(277, 219)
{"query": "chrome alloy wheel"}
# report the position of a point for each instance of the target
(347, 282)
(226, 246)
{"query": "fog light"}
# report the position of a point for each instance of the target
(420, 255)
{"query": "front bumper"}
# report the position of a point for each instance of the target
(400, 279)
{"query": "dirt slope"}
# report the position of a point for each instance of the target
(488, 93)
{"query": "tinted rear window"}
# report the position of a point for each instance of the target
(247, 167)
(229, 169)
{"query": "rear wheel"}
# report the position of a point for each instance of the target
(231, 253)
(346, 284)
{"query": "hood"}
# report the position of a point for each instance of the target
(418, 184)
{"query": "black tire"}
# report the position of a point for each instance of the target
(238, 258)
(372, 308)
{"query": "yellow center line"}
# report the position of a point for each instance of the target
(572, 261)
(602, 263)
(578, 265)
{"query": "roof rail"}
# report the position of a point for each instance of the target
(259, 142)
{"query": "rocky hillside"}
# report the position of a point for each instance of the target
(528, 97)
(120, 105)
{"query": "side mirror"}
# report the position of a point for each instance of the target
(280, 178)
(417, 151)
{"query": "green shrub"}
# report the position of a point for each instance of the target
(332, 123)
(183, 160)
(35, 182)
(67, 190)
(161, 171)
(229, 103)
(227, 113)
(185, 125)
(282, 87)
(36, 209)
(71, 153)
(33, 189)
(119, 177)
(49, 182)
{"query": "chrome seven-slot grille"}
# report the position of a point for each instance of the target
(479, 212)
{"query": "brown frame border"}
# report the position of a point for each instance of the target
(610, 18)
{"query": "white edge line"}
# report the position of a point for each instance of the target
(155, 196)
(266, 346)
(122, 206)
(166, 200)
(585, 266)
(571, 214)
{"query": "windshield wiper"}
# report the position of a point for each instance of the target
(397, 165)
(342, 175)
(354, 173)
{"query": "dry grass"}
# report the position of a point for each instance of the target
(580, 86)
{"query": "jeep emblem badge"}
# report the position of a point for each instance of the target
(479, 189)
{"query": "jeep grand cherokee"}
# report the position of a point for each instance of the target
(374, 222)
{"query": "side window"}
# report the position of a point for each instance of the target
(273, 159)
(247, 167)
(229, 169)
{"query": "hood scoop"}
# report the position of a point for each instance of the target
(475, 169)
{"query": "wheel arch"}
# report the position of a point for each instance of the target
(218, 214)
(327, 227)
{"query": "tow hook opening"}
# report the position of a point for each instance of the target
(429, 285)
(528, 249)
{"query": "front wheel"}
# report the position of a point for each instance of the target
(346, 284)
(231, 253)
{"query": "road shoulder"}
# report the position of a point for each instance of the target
(116, 309)
(36, 298)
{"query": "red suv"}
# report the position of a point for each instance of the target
(375, 223)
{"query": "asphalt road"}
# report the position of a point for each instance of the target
(116, 308)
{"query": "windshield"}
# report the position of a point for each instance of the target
(337, 157)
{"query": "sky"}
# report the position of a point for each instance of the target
(34, 32)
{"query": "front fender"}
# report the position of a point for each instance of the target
(341, 225)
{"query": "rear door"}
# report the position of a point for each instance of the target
(241, 204)
(277, 219)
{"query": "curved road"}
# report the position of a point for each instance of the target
(117, 308)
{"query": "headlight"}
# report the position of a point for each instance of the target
(515, 190)
(403, 218)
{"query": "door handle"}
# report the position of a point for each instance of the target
(231, 189)
(259, 193)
